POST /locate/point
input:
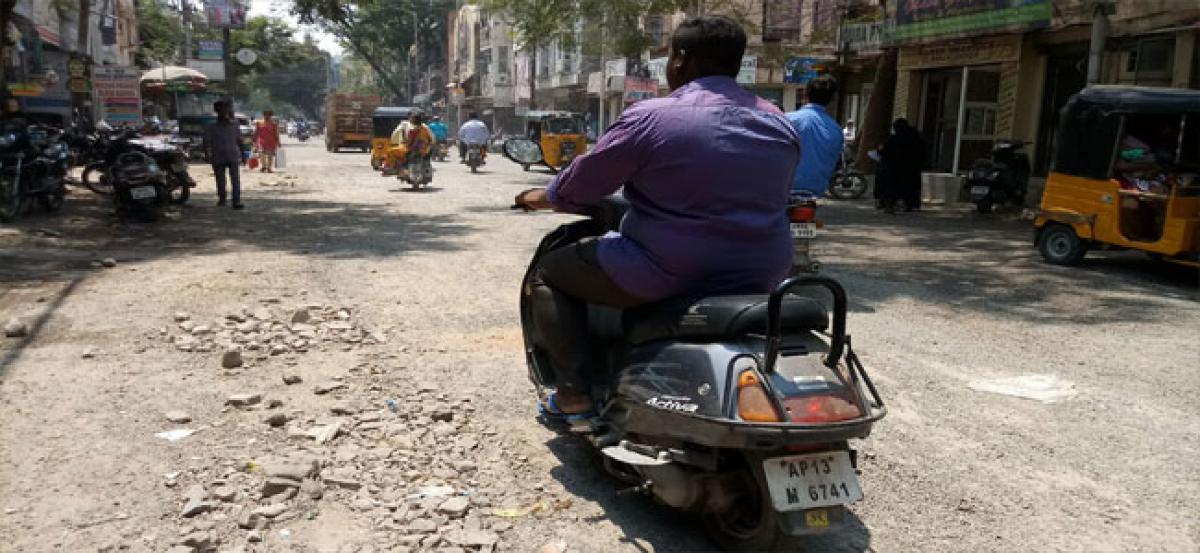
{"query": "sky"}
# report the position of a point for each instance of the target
(282, 10)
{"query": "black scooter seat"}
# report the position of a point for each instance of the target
(716, 318)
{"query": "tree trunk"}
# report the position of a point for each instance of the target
(85, 6)
(533, 79)
(874, 128)
(6, 9)
(379, 71)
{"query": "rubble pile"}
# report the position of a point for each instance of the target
(268, 331)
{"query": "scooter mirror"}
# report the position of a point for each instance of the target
(523, 151)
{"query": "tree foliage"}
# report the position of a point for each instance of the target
(159, 30)
(382, 34)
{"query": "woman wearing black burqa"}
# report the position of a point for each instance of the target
(899, 175)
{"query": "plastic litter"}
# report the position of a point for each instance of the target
(1046, 388)
(393, 406)
(431, 491)
(175, 435)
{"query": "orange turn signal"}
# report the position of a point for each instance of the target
(754, 404)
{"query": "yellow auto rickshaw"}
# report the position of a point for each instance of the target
(560, 134)
(1125, 175)
(383, 122)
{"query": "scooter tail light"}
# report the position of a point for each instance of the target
(822, 408)
(802, 213)
(754, 405)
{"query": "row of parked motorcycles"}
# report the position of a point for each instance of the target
(142, 176)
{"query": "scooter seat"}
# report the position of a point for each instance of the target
(715, 318)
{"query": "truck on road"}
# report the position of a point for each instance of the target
(348, 121)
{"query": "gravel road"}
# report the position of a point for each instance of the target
(377, 330)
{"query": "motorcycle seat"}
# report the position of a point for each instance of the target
(716, 318)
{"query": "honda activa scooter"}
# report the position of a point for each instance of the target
(738, 407)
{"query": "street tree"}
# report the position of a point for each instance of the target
(536, 25)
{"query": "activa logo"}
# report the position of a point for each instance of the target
(681, 404)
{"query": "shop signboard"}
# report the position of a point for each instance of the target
(210, 50)
(917, 20)
(615, 68)
(118, 93)
(640, 88)
(960, 52)
(749, 72)
(801, 70)
(595, 83)
(78, 81)
(658, 70)
(225, 13)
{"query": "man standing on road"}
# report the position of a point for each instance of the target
(706, 172)
(473, 132)
(820, 136)
(224, 140)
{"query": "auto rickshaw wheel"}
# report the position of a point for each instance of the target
(1060, 245)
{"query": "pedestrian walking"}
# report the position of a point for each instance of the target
(266, 141)
(898, 178)
(223, 140)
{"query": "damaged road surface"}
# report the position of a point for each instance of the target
(339, 368)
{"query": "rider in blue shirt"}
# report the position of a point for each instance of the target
(820, 138)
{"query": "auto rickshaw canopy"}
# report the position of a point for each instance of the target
(385, 120)
(1091, 123)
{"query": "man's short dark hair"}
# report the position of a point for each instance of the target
(715, 41)
(822, 90)
(472, 115)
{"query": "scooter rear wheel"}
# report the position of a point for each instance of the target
(751, 523)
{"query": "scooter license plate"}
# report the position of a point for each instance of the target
(142, 192)
(804, 230)
(800, 482)
(980, 190)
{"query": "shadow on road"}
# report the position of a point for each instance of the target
(272, 221)
(644, 522)
(989, 264)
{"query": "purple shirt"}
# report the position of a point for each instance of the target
(707, 172)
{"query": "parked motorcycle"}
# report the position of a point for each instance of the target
(1003, 179)
(739, 408)
(847, 182)
(168, 157)
(802, 214)
(475, 157)
(33, 167)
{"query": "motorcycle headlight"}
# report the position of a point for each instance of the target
(994, 175)
(7, 139)
(153, 168)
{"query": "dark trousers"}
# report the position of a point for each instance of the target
(569, 279)
(235, 180)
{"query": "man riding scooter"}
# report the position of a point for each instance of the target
(440, 133)
(823, 139)
(472, 133)
(716, 224)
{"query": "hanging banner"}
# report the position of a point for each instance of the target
(918, 20)
(804, 69)
(118, 93)
(225, 13)
(640, 88)
(210, 50)
(749, 72)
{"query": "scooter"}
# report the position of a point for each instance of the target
(475, 157)
(847, 183)
(419, 171)
(739, 408)
(1003, 179)
(802, 216)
